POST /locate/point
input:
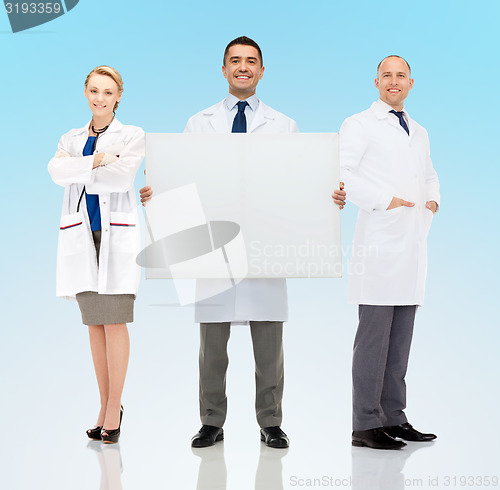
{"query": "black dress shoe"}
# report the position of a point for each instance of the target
(408, 433)
(207, 436)
(376, 439)
(274, 437)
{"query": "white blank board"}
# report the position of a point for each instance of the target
(268, 194)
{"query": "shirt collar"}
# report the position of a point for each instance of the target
(232, 100)
(384, 107)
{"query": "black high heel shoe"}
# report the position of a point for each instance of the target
(112, 436)
(95, 433)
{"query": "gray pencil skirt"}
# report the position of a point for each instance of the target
(105, 309)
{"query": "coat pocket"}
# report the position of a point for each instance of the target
(71, 234)
(387, 229)
(389, 221)
(123, 232)
(428, 216)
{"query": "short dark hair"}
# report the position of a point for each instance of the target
(246, 41)
(394, 56)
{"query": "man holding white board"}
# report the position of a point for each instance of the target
(260, 302)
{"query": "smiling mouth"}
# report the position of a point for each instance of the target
(99, 106)
(242, 77)
(394, 91)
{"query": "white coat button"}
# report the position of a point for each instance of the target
(105, 201)
(106, 229)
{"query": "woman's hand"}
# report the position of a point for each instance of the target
(104, 159)
(98, 160)
(62, 154)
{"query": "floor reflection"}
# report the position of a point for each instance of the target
(374, 469)
(269, 475)
(212, 473)
(110, 464)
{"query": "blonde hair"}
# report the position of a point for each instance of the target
(108, 72)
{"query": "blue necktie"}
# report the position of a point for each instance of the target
(401, 120)
(240, 121)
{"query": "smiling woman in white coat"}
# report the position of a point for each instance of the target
(99, 236)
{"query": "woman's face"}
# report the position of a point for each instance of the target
(102, 94)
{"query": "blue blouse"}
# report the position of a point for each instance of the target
(92, 199)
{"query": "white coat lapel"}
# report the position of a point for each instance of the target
(108, 139)
(218, 119)
(81, 135)
(394, 121)
(381, 112)
(262, 116)
(78, 141)
(412, 126)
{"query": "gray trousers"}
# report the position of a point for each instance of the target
(267, 339)
(380, 359)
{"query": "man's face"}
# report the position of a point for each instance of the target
(393, 82)
(243, 70)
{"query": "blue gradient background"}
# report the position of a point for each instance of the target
(320, 59)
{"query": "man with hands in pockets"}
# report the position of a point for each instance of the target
(388, 173)
(262, 303)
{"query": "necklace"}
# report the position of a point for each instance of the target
(99, 131)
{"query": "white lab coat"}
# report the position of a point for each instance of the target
(77, 271)
(251, 299)
(379, 161)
